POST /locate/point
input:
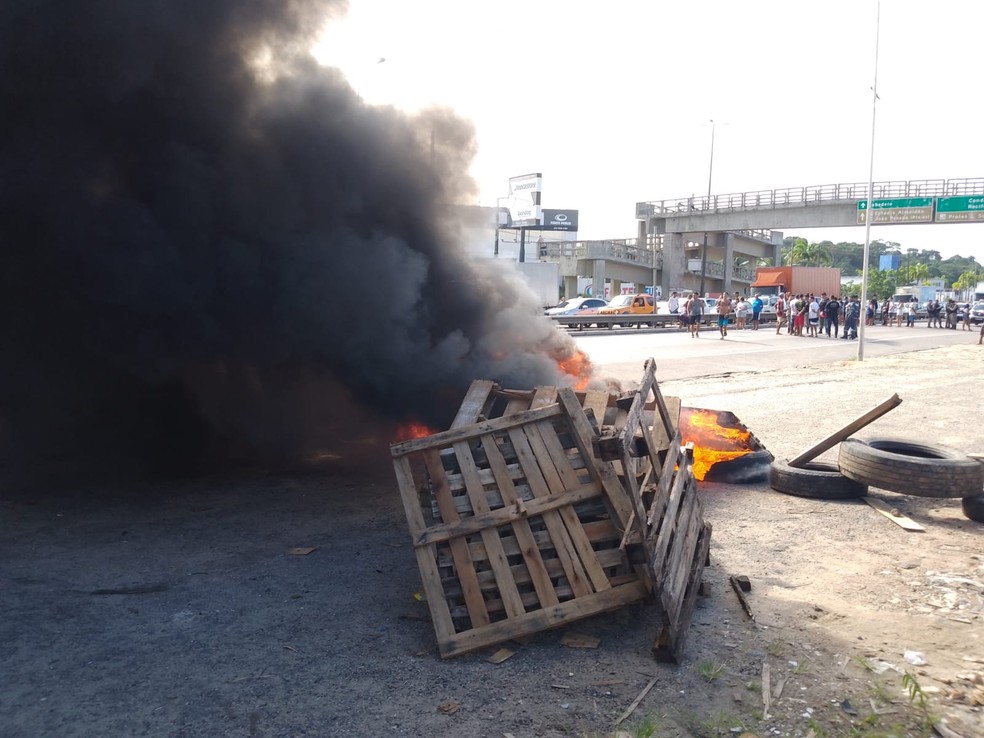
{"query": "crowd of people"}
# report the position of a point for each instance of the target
(814, 315)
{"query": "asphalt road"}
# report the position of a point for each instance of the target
(621, 353)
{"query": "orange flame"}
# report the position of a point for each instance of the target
(410, 431)
(712, 441)
(578, 366)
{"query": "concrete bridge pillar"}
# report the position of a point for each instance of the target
(598, 278)
(674, 263)
(570, 287)
(727, 242)
(616, 287)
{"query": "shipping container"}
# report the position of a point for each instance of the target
(797, 280)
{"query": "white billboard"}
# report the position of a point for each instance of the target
(524, 200)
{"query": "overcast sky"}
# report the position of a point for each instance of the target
(612, 101)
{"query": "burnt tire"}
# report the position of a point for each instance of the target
(973, 507)
(814, 479)
(918, 469)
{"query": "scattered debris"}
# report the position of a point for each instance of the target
(744, 583)
(916, 658)
(301, 550)
(766, 688)
(579, 640)
(450, 707)
(501, 655)
(848, 708)
(635, 703)
(893, 514)
(736, 586)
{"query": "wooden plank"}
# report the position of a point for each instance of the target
(525, 539)
(540, 505)
(661, 498)
(597, 402)
(618, 496)
(661, 441)
(681, 556)
(490, 536)
(538, 620)
(459, 548)
(670, 643)
(466, 432)
(474, 403)
(670, 516)
(633, 418)
(845, 432)
(426, 555)
(576, 576)
(892, 514)
(568, 479)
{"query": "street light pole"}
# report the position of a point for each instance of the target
(869, 214)
(710, 175)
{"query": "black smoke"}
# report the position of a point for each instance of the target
(213, 251)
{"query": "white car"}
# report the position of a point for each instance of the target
(577, 306)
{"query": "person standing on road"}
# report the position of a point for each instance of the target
(695, 312)
(756, 312)
(780, 312)
(951, 313)
(910, 314)
(724, 310)
(813, 317)
(674, 307)
(832, 310)
(742, 309)
(933, 310)
(966, 316)
(852, 312)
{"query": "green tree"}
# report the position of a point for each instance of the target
(881, 283)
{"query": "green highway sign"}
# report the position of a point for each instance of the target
(959, 209)
(897, 210)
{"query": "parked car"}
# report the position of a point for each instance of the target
(577, 306)
(977, 313)
(629, 305)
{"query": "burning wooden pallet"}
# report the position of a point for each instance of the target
(524, 517)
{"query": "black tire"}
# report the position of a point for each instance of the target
(911, 468)
(973, 507)
(815, 479)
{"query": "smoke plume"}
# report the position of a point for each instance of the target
(214, 251)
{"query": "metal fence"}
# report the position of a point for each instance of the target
(852, 191)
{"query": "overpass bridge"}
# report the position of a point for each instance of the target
(683, 221)
(640, 261)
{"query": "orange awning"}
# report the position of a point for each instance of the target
(769, 279)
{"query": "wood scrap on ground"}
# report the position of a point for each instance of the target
(844, 433)
(635, 703)
(736, 586)
(893, 514)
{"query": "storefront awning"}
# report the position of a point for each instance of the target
(769, 279)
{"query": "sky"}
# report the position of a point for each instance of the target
(613, 102)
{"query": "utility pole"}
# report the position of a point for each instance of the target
(870, 209)
(710, 175)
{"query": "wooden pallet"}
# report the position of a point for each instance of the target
(529, 528)
(541, 507)
(678, 542)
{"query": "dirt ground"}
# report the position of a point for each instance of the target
(178, 610)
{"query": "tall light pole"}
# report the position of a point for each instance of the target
(710, 177)
(869, 214)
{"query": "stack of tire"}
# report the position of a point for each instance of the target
(896, 465)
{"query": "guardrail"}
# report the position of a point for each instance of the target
(851, 191)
